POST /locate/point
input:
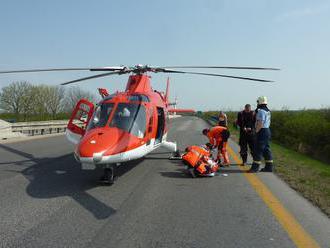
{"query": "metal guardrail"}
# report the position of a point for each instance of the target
(39, 127)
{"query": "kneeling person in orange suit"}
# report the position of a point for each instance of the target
(199, 160)
(218, 137)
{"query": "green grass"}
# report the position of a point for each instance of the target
(308, 176)
(45, 117)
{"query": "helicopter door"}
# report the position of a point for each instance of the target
(80, 117)
(160, 125)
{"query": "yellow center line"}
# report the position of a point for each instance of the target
(295, 231)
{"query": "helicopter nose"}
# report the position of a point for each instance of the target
(106, 141)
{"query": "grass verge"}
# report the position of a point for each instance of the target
(306, 175)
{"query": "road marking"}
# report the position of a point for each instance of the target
(295, 231)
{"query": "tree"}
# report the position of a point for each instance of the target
(55, 100)
(12, 97)
(30, 101)
(74, 94)
(26, 100)
(43, 100)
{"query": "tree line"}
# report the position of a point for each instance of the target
(23, 100)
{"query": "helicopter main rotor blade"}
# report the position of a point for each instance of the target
(140, 69)
(223, 67)
(218, 75)
(114, 68)
(95, 76)
(109, 68)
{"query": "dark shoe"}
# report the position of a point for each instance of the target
(244, 158)
(267, 168)
(254, 168)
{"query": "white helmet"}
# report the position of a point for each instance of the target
(262, 100)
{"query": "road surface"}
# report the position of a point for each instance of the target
(46, 200)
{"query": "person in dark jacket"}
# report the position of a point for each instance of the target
(246, 123)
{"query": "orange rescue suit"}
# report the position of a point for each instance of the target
(197, 157)
(215, 136)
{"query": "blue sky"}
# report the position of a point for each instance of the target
(292, 35)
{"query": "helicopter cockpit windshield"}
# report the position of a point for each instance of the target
(131, 118)
(101, 115)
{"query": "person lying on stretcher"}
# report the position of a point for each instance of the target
(199, 160)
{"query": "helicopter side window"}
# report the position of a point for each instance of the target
(101, 115)
(130, 118)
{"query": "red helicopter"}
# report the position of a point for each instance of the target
(126, 125)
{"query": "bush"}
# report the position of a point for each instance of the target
(10, 117)
(306, 131)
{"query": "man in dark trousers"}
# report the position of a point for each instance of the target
(246, 123)
(263, 136)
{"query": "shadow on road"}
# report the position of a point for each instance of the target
(184, 174)
(159, 156)
(63, 176)
(231, 171)
(181, 173)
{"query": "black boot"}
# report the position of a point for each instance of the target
(254, 168)
(268, 168)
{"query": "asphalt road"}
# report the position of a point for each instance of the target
(46, 200)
